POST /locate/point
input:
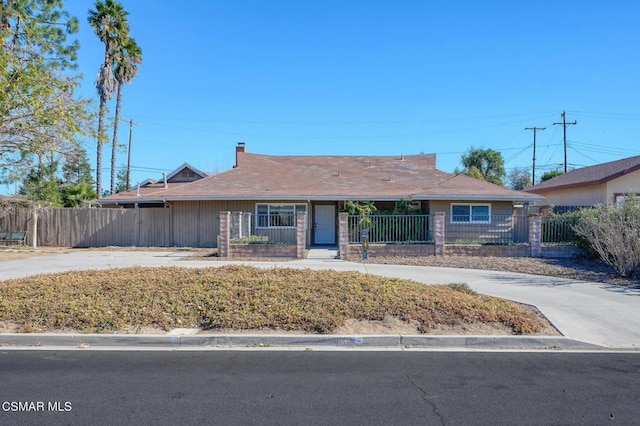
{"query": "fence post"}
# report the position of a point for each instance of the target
(223, 239)
(247, 217)
(438, 233)
(343, 234)
(535, 231)
(138, 225)
(34, 228)
(301, 234)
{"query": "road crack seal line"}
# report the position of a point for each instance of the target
(434, 409)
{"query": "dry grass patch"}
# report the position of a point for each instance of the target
(242, 297)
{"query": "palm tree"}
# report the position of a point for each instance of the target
(77, 195)
(109, 21)
(127, 58)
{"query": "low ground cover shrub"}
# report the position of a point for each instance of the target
(242, 297)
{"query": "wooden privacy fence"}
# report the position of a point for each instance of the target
(89, 227)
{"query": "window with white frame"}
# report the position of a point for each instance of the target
(621, 198)
(470, 213)
(278, 215)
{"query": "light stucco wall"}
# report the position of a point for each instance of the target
(623, 185)
(593, 194)
(580, 196)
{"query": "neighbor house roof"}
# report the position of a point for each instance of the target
(592, 175)
(147, 188)
(186, 166)
(268, 177)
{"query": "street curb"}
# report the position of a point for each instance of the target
(203, 342)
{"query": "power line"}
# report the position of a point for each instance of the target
(432, 120)
(585, 155)
(602, 149)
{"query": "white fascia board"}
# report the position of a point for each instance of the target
(286, 197)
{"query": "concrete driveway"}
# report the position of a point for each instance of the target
(590, 312)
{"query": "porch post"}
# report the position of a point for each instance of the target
(535, 231)
(343, 234)
(438, 233)
(301, 234)
(223, 235)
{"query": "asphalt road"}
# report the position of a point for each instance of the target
(332, 388)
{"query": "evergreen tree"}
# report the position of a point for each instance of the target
(77, 189)
(41, 184)
(76, 168)
(121, 183)
(39, 113)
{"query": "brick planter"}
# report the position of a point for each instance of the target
(552, 251)
(354, 252)
(486, 250)
(263, 250)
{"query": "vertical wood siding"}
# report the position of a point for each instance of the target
(183, 224)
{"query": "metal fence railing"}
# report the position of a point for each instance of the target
(493, 229)
(386, 229)
(240, 225)
(275, 228)
(558, 229)
(280, 228)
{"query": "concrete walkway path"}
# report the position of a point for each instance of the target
(594, 313)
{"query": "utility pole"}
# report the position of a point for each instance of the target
(533, 169)
(564, 127)
(131, 124)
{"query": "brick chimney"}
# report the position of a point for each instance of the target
(240, 147)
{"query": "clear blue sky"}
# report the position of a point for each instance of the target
(375, 78)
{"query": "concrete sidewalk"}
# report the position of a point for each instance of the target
(593, 313)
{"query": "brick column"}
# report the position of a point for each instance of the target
(343, 234)
(438, 233)
(223, 235)
(535, 234)
(301, 234)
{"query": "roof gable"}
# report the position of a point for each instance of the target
(185, 173)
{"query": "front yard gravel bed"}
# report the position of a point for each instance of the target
(577, 269)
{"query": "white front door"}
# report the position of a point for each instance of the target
(324, 222)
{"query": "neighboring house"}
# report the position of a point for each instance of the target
(606, 183)
(273, 188)
(184, 174)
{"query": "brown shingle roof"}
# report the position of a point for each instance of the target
(152, 189)
(266, 177)
(598, 174)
